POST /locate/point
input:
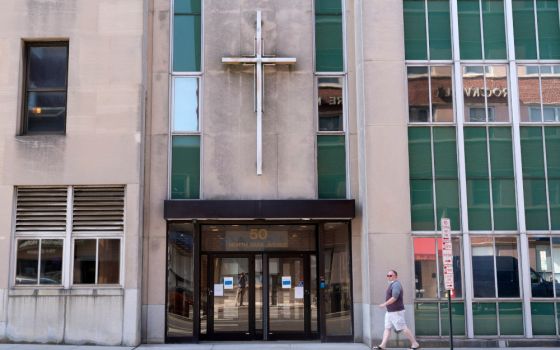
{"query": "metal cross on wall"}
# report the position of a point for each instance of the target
(258, 59)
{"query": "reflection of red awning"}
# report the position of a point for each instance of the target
(424, 248)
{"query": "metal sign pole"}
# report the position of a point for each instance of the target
(450, 321)
(448, 277)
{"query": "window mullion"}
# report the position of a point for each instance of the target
(536, 29)
(96, 259)
(496, 292)
(67, 261)
(546, 177)
(427, 34)
(39, 261)
(482, 48)
(490, 184)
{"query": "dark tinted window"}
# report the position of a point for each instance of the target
(45, 88)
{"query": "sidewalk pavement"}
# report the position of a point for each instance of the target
(220, 346)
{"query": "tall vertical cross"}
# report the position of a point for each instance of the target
(258, 59)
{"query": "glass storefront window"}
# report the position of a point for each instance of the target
(438, 44)
(331, 166)
(180, 280)
(491, 32)
(542, 317)
(444, 180)
(185, 167)
(185, 104)
(432, 316)
(39, 261)
(428, 267)
(97, 261)
(329, 52)
(430, 94)
(187, 36)
(338, 294)
(485, 93)
(331, 103)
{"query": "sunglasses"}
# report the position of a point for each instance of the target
(390, 275)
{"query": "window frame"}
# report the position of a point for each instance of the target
(68, 236)
(172, 76)
(97, 237)
(26, 90)
(441, 299)
(40, 238)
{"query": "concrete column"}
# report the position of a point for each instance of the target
(384, 155)
(6, 210)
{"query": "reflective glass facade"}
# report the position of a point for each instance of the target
(503, 112)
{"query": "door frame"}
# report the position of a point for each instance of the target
(235, 335)
(289, 335)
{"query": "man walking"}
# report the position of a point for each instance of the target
(241, 285)
(394, 317)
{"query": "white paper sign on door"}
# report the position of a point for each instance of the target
(298, 292)
(228, 282)
(286, 282)
(218, 290)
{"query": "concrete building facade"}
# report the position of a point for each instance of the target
(257, 167)
(92, 153)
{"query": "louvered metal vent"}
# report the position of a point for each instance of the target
(41, 209)
(99, 209)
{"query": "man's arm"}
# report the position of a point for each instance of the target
(388, 302)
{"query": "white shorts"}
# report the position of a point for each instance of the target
(395, 319)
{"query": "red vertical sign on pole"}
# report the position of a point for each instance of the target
(447, 254)
(448, 280)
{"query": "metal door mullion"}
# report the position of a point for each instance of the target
(251, 296)
(265, 301)
(307, 295)
(210, 296)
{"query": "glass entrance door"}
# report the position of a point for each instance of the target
(292, 296)
(231, 297)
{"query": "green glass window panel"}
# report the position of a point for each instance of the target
(447, 199)
(542, 318)
(532, 158)
(457, 317)
(185, 167)
(328, 43)
(476, 154)
(503, 199)
(426, 319)
(524, 29)
(501, 154)
(552, 137)
(186, 43)
(422, 205)
(420, 153)
(470, 42)
(440, 29)
(536, 216)
(187, 7)
(328, 7)
(549, 29)
(415, 30)
(554, 202)
(511, 318)
(484, 319)
(494, 29)
(331, 166)
(478, 201)
(445, 153)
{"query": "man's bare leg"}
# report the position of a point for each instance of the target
(410, 336)
(386, 334)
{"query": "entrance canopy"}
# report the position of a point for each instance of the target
(260, 209)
